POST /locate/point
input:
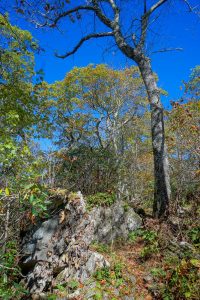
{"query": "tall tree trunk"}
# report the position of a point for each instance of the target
(162, 190)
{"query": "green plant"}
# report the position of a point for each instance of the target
(61, 287)
(149, 236)
(37, 197)
(132, 237)
(10, 274)
(158, 272)
(101, 248)
(98, 296)
(194, 235)
(180, 282)
(126, 207)
(171, 259)
(100, 199)
(148, 251)
(73, 285)
(102, 274)
(150, 239)
(11, 290)
(117, 268)
(113, 274)
(52, 297)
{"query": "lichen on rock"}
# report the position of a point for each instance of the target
(57, 250)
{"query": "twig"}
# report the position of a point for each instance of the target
(167, 49)
(14, 269)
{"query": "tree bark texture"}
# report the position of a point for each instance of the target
(162, 189)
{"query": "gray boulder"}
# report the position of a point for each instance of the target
(57, 250)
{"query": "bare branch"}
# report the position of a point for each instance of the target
(114, 6)
(167, 49)
(84, 39)
(189, 5)
(69, 12)
(194, 9)
(145, 21)
(100, 14)
(119, 38)
(155, 6)
(145, 6)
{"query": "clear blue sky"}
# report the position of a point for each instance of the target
(177, 28)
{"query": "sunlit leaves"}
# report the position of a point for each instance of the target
(20, 104)
(183, 136)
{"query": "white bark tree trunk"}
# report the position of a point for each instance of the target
(162, 189)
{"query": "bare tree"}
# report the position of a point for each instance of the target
(108, 12)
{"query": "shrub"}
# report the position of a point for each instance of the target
(100, 199)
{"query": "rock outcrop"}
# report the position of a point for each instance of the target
(57, 250)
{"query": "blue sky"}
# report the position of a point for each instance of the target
(176, 28)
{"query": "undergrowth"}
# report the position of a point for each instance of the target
(169, 254)
(100, 199)
(10, 288)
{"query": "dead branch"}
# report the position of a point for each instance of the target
(73, 10)
(84, 39)
(167, 49)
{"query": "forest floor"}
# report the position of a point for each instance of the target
(130, 255)
(160, 261)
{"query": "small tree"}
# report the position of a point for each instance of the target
(183, 139)
(93, 110)
(18, 105)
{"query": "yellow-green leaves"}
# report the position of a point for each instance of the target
(20, 103)
(7, 192)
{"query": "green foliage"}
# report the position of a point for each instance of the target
(194, 235)
(61, 287)
(109, 274)
(150, 239)
(10, 291)
(19, 105)
(110, 279)
(181, 282)
(132, 236)
(102, 274)
(126, 207)
(183, 141)
(100, 199)
(148, 251)
(94, 114)
(118, 270)
(158, 272)
(89, 169)
(193, 86)
(9, 274)
(20, 163)
(98, 296)
(37, 197)
(73, 285)
(101, 248)
(149, 236)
